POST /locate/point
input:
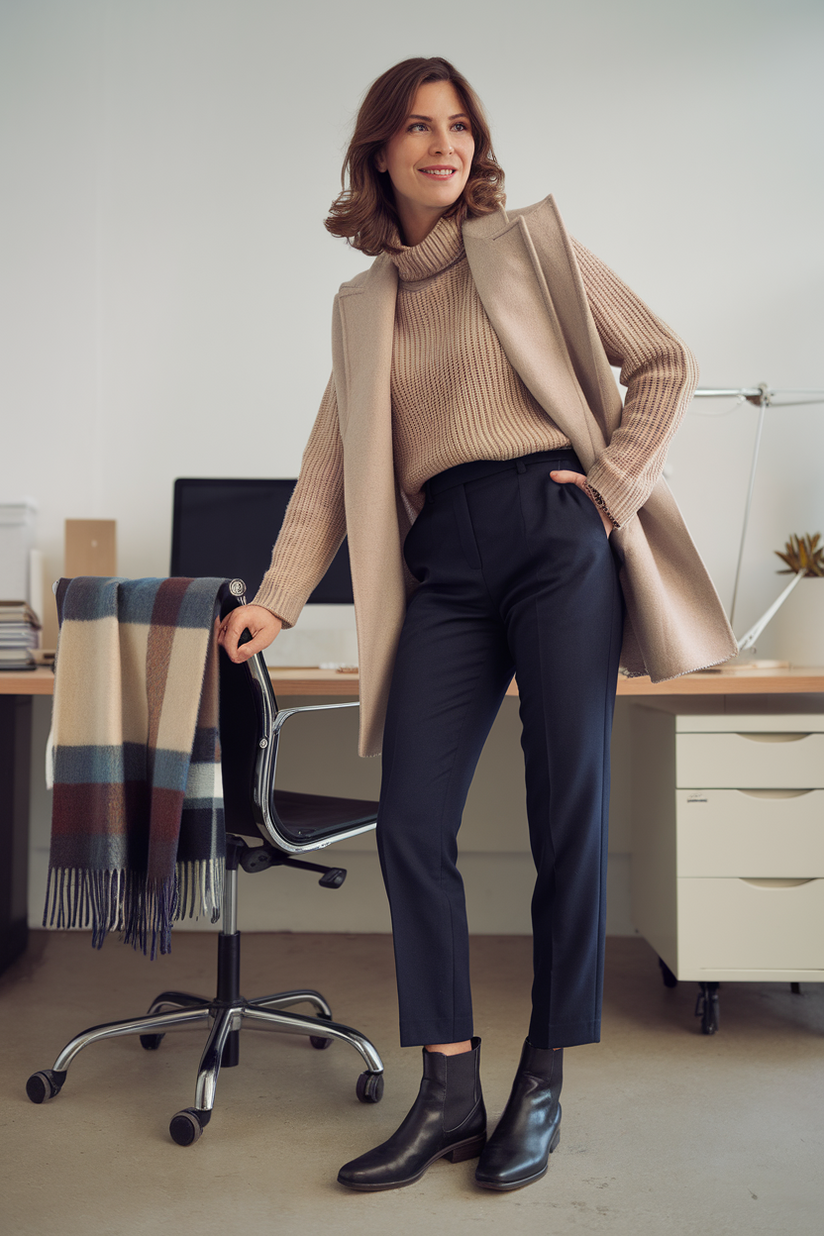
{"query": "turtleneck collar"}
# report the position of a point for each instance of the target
(442, 248)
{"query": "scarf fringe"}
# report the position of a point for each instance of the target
(141, 911)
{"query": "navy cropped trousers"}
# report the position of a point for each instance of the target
(516, 576)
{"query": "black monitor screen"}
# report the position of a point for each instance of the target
(228, 527)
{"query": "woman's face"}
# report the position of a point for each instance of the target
(429, 158)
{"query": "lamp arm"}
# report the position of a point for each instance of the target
(748, 640)
(762, 397)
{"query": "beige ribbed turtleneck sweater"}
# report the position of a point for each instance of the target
(455, 398)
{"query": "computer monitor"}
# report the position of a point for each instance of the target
(228, 527)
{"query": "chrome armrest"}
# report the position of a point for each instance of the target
(273, 720)
(283, 714)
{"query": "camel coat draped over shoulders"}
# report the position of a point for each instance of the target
(528, 280)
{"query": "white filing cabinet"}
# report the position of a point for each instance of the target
(728, 844)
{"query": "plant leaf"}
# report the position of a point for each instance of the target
(803, 552)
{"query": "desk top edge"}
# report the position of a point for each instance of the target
(286, 682)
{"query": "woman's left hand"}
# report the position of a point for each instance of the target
(577, 478)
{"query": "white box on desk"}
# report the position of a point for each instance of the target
(17, 520)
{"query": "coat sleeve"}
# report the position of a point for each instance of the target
(660, 374)
(314, 524)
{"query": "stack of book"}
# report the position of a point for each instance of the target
(19, 635)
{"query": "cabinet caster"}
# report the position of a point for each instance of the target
(707, 1008)
(187, 1127)
(667, 975)
(370, 1087)
(44, 1085)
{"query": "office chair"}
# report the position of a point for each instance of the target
(284, 824)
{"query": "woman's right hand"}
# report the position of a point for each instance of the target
(261, 624)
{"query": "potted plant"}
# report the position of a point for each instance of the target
(799, 624)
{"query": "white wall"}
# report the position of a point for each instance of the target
(166, 280)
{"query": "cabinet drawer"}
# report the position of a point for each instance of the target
(742, 925)
(750, 761)
(750, 833)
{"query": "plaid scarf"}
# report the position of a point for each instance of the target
(138, 837)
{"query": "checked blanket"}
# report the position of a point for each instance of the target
(138, 837)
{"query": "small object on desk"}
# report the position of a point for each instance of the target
(338, 667)
(21, 660)
(90, 547)
(17, 531)
(18, 611)
(17, 618)
(19, 635)
(745, 667)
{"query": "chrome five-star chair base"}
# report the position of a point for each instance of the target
(226, 1014)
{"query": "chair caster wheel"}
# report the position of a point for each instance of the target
(187, 1127)
(44, 1085)
(370, 1087)
(150, 1042)
(317, 1040)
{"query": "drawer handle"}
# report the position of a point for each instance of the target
(774, 793)
(777, 883)
(773, 737)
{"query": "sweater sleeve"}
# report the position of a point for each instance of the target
(660, 374)
(314, 524)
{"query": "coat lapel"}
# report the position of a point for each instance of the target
(362, 347)
(362, 333)
(362, 338)
(513, 289)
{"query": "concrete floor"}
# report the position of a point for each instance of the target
(664, 1129)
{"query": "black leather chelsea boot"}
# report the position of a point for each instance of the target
(518, 1151)
(446, 1121)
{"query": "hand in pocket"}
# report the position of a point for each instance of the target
(578, 478)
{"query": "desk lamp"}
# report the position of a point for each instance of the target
(762, 397)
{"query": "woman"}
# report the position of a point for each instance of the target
(472, 402)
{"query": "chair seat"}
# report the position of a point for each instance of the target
(312, 816)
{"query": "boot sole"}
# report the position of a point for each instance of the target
(506, 1186)
(469, 1149)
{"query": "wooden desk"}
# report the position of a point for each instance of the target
(305, 681)
(710, 691)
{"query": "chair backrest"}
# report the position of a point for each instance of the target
(250, 731)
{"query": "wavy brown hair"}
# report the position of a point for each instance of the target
(364, 212)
